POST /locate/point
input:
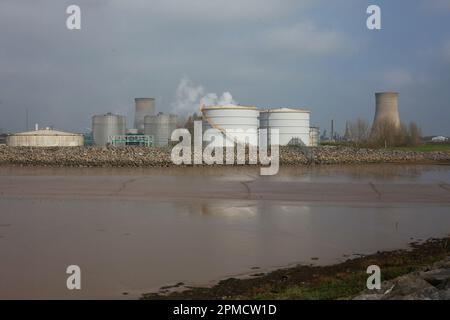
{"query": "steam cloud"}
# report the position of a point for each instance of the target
(189, 97)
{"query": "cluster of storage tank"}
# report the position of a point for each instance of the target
(293, 125)
(158, 127)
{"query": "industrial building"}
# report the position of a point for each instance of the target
(45, 138)
(241, 121)
(104, 127)
(293, 125)
(160, 128)
(439, 139)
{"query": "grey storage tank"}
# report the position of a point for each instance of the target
(45, 138)
(160, 127)
(314, 136)
(105, 126)
(144, 107)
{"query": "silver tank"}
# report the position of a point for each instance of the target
(240, 121)
(144, 107)
(293, 124)
(45, 138)
(314, 136)
(105, 126)
(160, 127)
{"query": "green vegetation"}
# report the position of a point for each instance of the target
(341, 281)
(343, 286)
(425, 148)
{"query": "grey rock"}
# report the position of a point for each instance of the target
(436, 277)
(412, 287)
(368, 296)
(444, 294)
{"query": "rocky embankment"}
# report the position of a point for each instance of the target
(431, 283)
(160, 157)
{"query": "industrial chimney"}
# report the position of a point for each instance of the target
(386, 110)
(144, 107)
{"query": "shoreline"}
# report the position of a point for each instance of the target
(401, 270)
(140, 157)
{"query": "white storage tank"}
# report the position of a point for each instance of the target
(314, 136)
(241, 120)
(105, 126)
(45, 138)
(293, 125)
(160, 127)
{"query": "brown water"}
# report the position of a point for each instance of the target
(136, 230)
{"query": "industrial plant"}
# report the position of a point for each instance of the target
(153, 129)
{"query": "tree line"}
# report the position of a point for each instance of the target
(384, 134)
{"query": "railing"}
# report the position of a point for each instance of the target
(131, 140)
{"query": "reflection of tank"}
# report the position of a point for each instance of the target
(144, 107)
(160, 127)
(293, 125)
(240, 120)
(106, 126)
(314, 137)
(386, 109)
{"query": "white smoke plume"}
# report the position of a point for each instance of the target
(189, 97)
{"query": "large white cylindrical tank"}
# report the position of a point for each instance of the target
(240, 121)
(105, 126)
(293, 125)
(143, 107)
(314, 137)
(160, 127)
(45, 138)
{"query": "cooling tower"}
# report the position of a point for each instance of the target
(144, 107)
(386, 109)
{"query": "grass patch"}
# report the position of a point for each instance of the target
(425, 148)
(340, 281)
(341, 287)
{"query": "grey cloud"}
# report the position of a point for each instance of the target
(266, 53)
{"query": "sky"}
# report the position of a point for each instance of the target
(313, 54)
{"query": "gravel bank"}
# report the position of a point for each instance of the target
(160, 157)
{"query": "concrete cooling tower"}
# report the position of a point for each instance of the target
(386, 109)
(144, 107)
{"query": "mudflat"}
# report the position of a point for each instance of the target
(133, 231)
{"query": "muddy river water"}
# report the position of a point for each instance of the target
(134, 230)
